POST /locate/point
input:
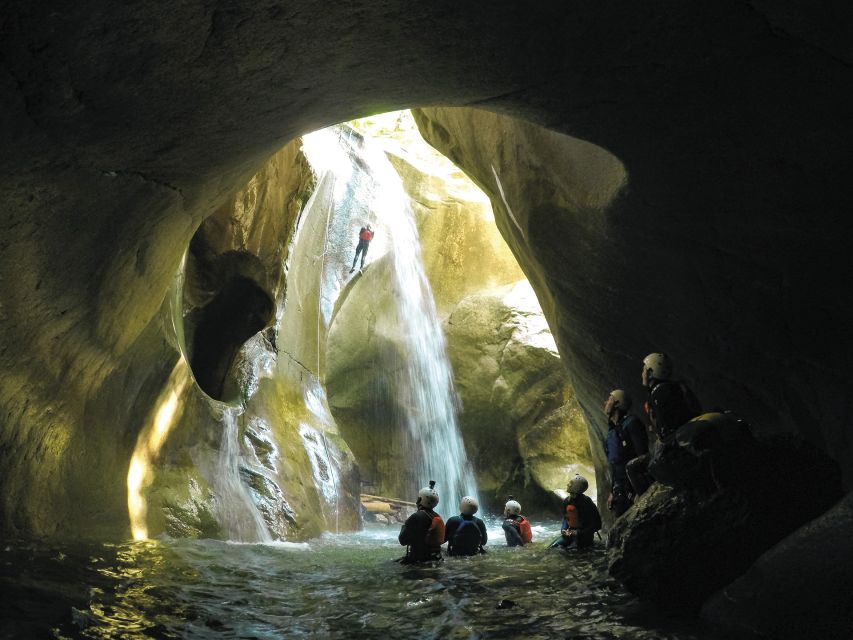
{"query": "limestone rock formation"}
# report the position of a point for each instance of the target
(362, 355)
(289, 460)
(722, 498)
(522, 427)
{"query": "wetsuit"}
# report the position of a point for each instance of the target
(512, 531)
(626, 440)
(365, 235)
(587, 522)
(413, 535)
(466, 535)
(670, 404)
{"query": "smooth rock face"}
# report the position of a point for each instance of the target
(718, 504)
(794, 590)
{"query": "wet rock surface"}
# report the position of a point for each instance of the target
(722, 499)
(792, 591)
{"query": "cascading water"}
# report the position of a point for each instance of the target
(368, 188)
(237, 511)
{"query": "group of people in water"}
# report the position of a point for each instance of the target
(669, 405)
(424, 532)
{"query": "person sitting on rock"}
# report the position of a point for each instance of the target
(516, 526)
(466, 534)
(423, 532)
(365, 235)
(581, 518)
(626, 439)
(670, 404)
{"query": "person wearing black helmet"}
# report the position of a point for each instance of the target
(466, 534)
(423, 532)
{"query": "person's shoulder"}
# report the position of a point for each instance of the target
(454, 519)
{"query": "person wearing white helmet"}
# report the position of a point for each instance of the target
(423, 532)
(626, 439)
(581, 518)
(669, 405)
(670, 402)
(466, 533)
(516, 527)
(365, 235)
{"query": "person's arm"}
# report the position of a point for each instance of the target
(450, 528)
(484, 536)
(408, 529)
(513, 537)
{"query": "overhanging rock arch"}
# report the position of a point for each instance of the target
(124, 127)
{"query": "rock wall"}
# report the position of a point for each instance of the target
(292, 461)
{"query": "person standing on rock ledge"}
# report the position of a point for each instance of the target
(365, 235)
(626, 439)
(670, 404)
(423, 532)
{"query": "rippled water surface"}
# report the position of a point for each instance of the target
(340, 586)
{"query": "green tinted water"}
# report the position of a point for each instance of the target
(340, 586)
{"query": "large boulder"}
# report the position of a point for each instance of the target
(723, 498)
(523, 430)
(792, 590)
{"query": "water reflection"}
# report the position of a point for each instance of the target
(338, 586)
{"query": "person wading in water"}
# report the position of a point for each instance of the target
(423, 532)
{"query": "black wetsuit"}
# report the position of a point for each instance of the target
(413, 535)
(512, 531)
(466, 535)
(670, 405)
(590, 522)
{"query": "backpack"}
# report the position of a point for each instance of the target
(467, 538)
(435, 534)
(524, 530)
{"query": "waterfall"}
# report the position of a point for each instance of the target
(238, 513)
(368, 188)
